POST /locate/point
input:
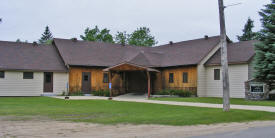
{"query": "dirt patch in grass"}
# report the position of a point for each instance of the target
(35, 126)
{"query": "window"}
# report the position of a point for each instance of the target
(185, 77)
(2, 74)
(86, 78)
(28, 75)
(216, 74)
(171, 77)
(105, 78)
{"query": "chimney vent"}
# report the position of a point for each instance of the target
(171, 42)
(206, 37)
(74, 39)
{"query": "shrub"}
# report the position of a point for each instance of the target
(105, 93)
(163, 92)
(271, 96)
(77, 93)
(185, 94)
(181, 93)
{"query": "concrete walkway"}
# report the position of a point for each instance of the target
(142, 99)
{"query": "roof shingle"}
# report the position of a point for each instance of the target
(26, 56)
(85, 53)
(240, 52)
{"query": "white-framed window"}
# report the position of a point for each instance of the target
(217, 74)
(27, 75)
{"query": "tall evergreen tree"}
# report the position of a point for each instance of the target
(248, 34)
(142, 37)
(265, 49)
(98, 35)
(47, 36)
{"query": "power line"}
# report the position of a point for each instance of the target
(233, 5)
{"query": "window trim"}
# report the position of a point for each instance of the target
(215, 75)
(28, 77)
(171, 80)
(2, 77)
(183, 74)
(107, 75)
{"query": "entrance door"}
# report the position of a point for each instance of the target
(137, 82)
(86, 82)
(48, 82)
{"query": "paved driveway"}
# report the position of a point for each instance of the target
(256, 132)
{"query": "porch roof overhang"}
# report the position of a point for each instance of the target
(126, 66)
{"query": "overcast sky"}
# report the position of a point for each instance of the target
(169, 20)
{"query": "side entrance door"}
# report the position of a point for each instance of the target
(86, 82)
(48, 82)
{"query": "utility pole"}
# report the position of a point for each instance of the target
(224, 61)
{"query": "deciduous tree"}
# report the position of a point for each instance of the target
(98, 35)
(122, 38)
(142, 37)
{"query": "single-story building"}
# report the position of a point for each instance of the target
(31, 70)
(84, 66)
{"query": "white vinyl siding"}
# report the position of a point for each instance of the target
(201, 82)
(60, 82)
(14, 85)
(238, 74)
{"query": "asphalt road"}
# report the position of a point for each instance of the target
(254, 132)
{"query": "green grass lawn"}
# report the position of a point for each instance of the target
(238, 101)
(114, 112)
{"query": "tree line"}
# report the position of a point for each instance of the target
(140, 37)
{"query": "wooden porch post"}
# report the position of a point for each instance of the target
(149, 84)
(110, 82)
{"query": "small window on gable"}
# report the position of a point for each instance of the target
(28, 75)
(171, 77)
(217, 74)
(185, 77)
(2, 74)
(105, 78)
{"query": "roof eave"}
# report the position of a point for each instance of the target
(230, 63)
(33, 70)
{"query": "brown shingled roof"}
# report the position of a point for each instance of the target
(26, 56)
(83, 53)
(240, 52)
(187, 52)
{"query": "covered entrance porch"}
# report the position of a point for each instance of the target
(134, 78)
